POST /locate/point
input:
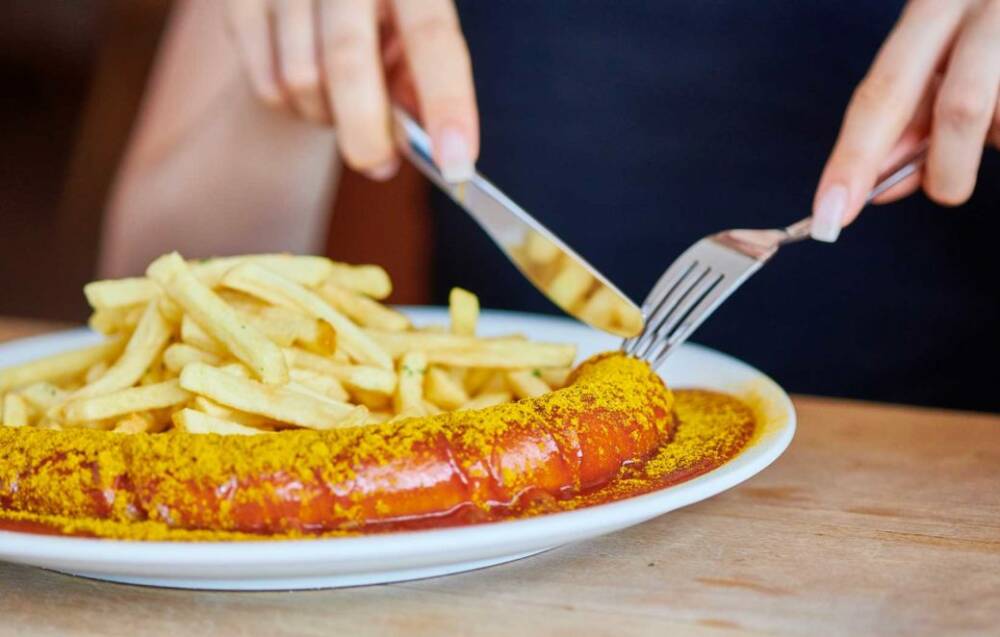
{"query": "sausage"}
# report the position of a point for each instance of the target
(482, 463)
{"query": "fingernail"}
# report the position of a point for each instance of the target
(454, 155)
(384, 172)
(829, 215)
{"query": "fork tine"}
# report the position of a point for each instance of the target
(678, 318)
(694, 318)
(661, 328)
(667, 282)
(667, 305)
(673, 277)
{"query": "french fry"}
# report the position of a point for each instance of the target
(95, 371)
(136, 424)
(527, 384)
(556, 377)
(260, 282)
(278, 403)
(43, 395)
(60, 367)
(236, 369)
(195, 336)
(16, 412)
(90, 425)
(211, 313)
(143, 348)
(491, 399)
(399, 343)
(309, 391)
(120, 293)
(170, 310)
(196, 422)
(280, 332)
(307, 270)
(303, 269)
(212, 408)
(459, 374)
(115, 320)
(156, 373)
(241, 302)
(286, 327)
(378, 417)
(409, 395)
(365, 377)
(463, 307)
(370, 280)
(322, 341)
(495, 384)
(417, 411)
(326, 385)
(179, 355)
(124, 401)
(475, 378)
(432, 329)
(442, 390)
(374, 401)
(506, 354)
(49, 423)
(363, 310)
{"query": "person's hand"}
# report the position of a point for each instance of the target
(341, 62)
(936, 77)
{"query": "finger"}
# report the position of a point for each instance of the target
(249, 23)
(297, 57)
(995, 130)
(402, 89)
(914, 135)
(964, 109)
(356, 88)
(907, 186)
(880, 109)
(442, 74)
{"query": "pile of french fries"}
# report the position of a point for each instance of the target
(570, 286)
(264, 343)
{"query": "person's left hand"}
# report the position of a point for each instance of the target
(936, 77)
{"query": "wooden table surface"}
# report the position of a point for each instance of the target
(878, 520)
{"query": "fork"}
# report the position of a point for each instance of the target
(698, 281)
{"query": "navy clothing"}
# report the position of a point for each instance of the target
(633, 128)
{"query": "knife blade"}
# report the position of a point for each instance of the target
(554, 268)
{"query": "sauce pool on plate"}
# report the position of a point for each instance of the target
(710, 429)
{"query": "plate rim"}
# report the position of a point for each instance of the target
(498, 534)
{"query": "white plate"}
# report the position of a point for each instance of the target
(394, 557)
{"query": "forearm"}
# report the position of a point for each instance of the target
(209, 169)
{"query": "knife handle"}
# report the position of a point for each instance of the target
(415, 143)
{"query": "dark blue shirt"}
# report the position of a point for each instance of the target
(633, 128)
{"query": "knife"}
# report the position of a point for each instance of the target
(556, 270)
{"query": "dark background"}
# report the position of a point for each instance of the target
(633, 128)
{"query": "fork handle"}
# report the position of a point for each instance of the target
(907, 166)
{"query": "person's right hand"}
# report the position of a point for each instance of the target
(341, 62)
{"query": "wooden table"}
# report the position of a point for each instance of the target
(877, 520)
